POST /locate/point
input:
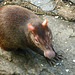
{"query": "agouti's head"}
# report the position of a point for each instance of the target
(41, 36)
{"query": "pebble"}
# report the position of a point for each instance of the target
(41, 64)
(74, 61)
(67, 70)
(56, 16)
(4, 3)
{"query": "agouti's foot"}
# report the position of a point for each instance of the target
(55, 59)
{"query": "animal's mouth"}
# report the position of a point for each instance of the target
(49, 54)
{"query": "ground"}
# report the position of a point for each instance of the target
(15, 63)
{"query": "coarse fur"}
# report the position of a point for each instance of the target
(9, 17)
(14, 32)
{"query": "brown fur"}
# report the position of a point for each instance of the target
(14, 31)
(13, 23)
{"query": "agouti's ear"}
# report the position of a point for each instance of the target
(44, 22)
(30, 27)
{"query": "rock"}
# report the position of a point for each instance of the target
(17, 63)
(73, 1)
(67, 11)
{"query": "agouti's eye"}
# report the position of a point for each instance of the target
(36, 40)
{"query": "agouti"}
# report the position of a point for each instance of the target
(21, 28)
